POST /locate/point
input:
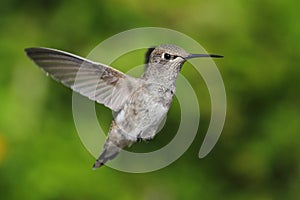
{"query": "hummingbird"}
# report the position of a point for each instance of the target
(138, 104)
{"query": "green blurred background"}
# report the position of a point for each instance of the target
(258, 154)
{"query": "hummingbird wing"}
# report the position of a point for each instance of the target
(98, 82)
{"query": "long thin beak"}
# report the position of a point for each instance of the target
(203, 56)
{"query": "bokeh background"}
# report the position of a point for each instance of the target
(258, 154)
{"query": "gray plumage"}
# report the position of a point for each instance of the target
(139, 104)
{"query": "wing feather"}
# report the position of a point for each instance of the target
(97, 81)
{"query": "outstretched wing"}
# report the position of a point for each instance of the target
(96, 81)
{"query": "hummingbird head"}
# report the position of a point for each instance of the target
(167, 54)
(166, 60)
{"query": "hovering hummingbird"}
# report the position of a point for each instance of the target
(139, 104)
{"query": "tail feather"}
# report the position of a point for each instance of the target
(115, 142)
(109, 152)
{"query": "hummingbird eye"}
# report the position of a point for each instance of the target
(166, 56)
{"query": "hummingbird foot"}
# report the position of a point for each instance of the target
(139, 138)
(148, 139)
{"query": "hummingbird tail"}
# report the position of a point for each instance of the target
(112, 147)
(109, 152)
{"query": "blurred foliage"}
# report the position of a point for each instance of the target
(258, 154)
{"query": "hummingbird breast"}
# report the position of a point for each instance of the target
(144, 110)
